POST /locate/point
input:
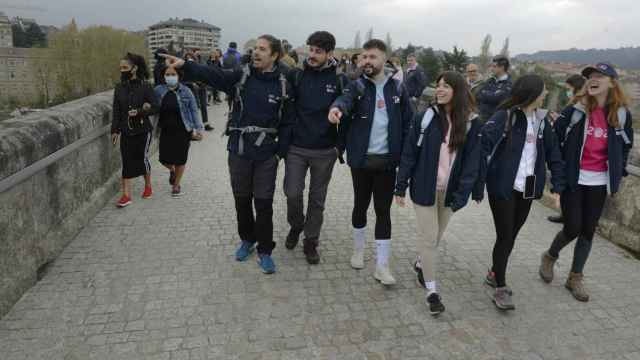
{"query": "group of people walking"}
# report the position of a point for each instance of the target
(310, 116)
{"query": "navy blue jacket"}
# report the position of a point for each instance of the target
(315, 91)
(491, 94)
(261, 96)
(357, 119)
(415, 81)
(419, 164)
(503, 167)
(572, 144)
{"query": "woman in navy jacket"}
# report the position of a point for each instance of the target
(519, 141)
(436, 150)
(596, 136)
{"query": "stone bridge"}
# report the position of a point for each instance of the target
(82, 279)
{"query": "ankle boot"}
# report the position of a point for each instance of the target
(546, 267)
(575, 284)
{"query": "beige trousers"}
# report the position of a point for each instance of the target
(432, 221)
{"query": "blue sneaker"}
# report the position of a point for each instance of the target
(266, 263)
(245, 249)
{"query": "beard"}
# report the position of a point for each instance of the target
(371, 70)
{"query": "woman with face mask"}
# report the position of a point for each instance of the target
(133, 102)
(517, 142)
(596, 136)
(179, 124)
(435, 157)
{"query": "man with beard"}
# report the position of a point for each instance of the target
(374, 114)
(313, 142)
(260, 118)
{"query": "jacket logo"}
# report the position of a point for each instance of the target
(396, 99)
(273, 99)
(331, 89)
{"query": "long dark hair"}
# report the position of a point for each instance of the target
(137, 60)
(525, 91)
(462, 105)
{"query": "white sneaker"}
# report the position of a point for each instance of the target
(383, 274)
(357, 259)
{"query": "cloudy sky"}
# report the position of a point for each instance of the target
(531, 25)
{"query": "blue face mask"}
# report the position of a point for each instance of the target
(171, 80)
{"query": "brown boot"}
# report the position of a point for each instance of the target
(546, 267)
(575, 284)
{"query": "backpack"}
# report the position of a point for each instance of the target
(576, 117)
(229, 61)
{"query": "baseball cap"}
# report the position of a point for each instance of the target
(603, 68)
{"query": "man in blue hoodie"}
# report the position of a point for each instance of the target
(231, 59)
(374, 115)
(261, 118)
(313, 142)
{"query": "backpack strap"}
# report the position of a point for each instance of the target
(360, 87)
(622, 121)
(576, 117)
(424, 124)
(237, 98)
(283, 96)
(507, 128)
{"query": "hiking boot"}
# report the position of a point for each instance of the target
(292, 239)
(546, 266)
(147, 193)
(435, 304)
(558, 219)
(417, 267)
(575, 284)
(245, 249)
(502, 299)
(311, 251)
(266, 264)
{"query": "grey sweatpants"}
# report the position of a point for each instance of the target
(320, 163)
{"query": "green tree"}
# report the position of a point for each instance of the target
(19, 37)
(430, 62)
(505, 48)
(456, 60)
(484, 59)
(35, 37)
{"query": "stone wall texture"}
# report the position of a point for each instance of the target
(41, 215)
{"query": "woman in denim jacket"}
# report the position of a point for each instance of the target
(179, 123)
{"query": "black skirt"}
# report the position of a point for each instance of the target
(174, 137)
(135, 155)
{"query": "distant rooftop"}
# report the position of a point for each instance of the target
(175, 22)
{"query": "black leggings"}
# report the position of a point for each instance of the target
(508, 218)
(582, 210)
(380, 184)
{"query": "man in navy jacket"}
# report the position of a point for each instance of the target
(374, 116)
(496, 89)
(259, 122)
(313, 141)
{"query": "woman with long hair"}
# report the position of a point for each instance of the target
(179, 124)
(517, 142)
(436, 154)
(596, 136)
(133, 102)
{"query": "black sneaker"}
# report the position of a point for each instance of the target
(435, 304)
(292, 239)
(311, 253)
(418, 269)
(208, 127)
(558, 219)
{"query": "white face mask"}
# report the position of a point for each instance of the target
(569, 94)
(171, 80)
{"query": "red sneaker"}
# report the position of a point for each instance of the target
(147, 192)
(124, 201)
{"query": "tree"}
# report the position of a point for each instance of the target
(403, 53)
(369, 35)
(456, 60)
(35, 37)
(357, 43)
(430, 62)
(19, 37)
(505, 48)
(389, 43)
(484, 59)
(250, 44)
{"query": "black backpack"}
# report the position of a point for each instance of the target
(230, 61)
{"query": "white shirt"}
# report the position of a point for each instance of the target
(529, 155)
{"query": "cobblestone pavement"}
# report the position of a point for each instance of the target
(157, 280)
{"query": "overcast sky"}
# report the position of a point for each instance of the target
(531, 24)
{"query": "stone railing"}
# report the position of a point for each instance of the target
(57, 170)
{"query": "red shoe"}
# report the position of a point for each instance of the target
(147, 192)
(124, 201)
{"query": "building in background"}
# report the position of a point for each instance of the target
(6, 34)
(19, 82)
(185, 34)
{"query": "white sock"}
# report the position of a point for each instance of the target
(359, 238)
(431, 287)
(383, 249)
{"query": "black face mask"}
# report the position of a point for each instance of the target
(125, 76)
